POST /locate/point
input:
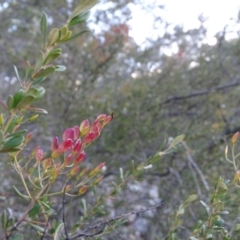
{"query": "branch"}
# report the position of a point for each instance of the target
(201, 92)
(102, 224)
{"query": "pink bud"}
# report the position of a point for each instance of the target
(68, 134)
(91, 136)
(66, 145)
(107, 120)
(74, 171)
(68, 160)
(79, 158)
(77, 146)
(55, 143)
(101, 117)
(28, 137)
(76, 132)
(84, 127)
(47, 163)
(39, 154)
(96, 127)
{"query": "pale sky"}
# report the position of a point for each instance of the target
(186, 12)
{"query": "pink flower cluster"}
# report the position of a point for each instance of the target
(74, 140)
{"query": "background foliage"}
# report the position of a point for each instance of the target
(153, 97)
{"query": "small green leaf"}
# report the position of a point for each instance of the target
(39, 110)
(36, 227)
(13, 142)
(82, 7)
(39, 62)
(176, 141)
(237, 227)
(36, 91)
(18, 96)
(16, 72)
(4, 219)
(79, 34)
(25, 102)
(58, 232)
(18, 193)
(45, 72)
(18, 133)
(43, 27)
(34, 211)
(55, 53)
(79, 19)
(10, 102)
(207, 208)
(53, 36)
(191, 198)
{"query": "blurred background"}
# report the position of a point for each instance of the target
(163, 68)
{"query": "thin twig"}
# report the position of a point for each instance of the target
(45, 230)
(106, 222)
(63, 214)
(120, 237)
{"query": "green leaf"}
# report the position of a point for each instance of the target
(10, 102)
(82, 7)
(58, 232)
(45, 72)
(237, 227)
(43, 27)
(55, 53)
(18, 193)
(18, 133)
(39, 62)
(34, 211)
(207, 208)
(39, 110)
(38, 80)
(53, 36)
(36, 227)
(13, 124)
(25, 102)
(18, 96)
(191, 198)
(13, 142)
(36, 91)
(78, 34)
(79, 19)
(4, 219)
(16, 72)
(176, 141)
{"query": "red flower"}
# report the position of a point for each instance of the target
(77, 146)
(84, 127)
(55, 144)
(76, 132)
(69, 133)
(90, 137)
(66, 145)
(39, 154)
(79, 158)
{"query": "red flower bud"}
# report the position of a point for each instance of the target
(73, 171)
(55, 143)
(67, 160)
(79, 158)
(77, 146)
(39, 154)
(84, 128)
(68, 134)
(96, 169)
(66, 145)
(76, 132)
(82, 190)
(90, 137)
(28, 138)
